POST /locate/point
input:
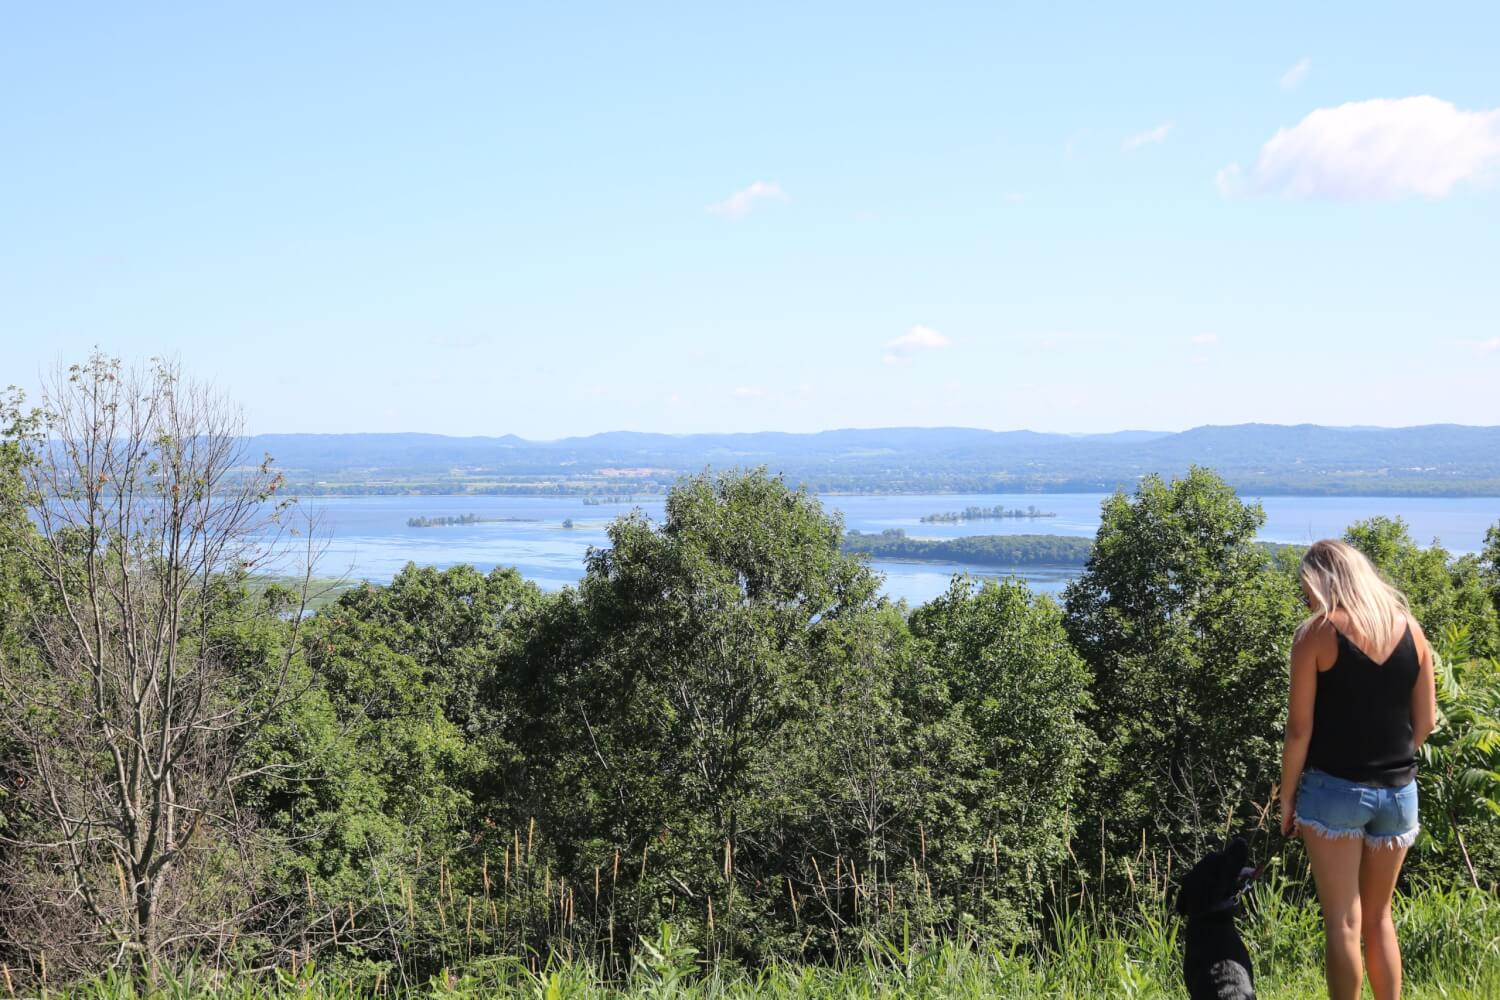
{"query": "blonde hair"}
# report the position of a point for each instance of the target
(1339, 577)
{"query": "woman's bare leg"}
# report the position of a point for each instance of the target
(1336, 867)
(1378, 869)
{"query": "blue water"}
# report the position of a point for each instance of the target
(367, 537)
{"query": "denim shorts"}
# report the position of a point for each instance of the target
(1334, 807)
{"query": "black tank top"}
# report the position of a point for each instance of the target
(1362, 716)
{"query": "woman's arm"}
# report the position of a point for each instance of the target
(1299, 718)
(1424, 691)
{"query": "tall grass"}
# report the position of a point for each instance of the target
(1450, 938)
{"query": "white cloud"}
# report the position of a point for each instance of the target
(1491, 346)
(1147, 137)
(1013, 197)
(1292, 78)
(1204, 340)
(1374, 151)
(749, 392)
(919, 338)
(739, 204)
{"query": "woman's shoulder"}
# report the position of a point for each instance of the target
(1315, 626)
(1316, 634)
(1419, 637)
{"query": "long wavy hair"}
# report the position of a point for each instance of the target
(1338, 576)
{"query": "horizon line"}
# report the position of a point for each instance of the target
(884, 427)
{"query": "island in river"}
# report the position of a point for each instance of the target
(974, 550)
(997, 513)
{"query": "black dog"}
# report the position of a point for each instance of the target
(1215, 963)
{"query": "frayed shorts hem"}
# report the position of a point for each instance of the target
(1393, 841)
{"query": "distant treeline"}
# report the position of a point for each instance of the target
(995, 513)
(916, 482)
(978, 550)
(1257, 460)
(447, 487)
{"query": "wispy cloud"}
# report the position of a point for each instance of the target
(913, 341)
(1072, 142)
(749, 392)
(1204, 340)
(1374, 150)
(1146, 138)
(739, 204)
(1491, 346)
(1013, 197)
(1292, 78)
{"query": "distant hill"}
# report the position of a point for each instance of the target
(1438, 459)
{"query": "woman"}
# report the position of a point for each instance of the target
(1362, 701)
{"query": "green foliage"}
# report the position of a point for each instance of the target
(664, 968)
(1020, 692)
(1460, 763)
(18, 593)
(1185, 625)
(675, 692)
(1443, 592)
(1489, 562)
(402, 754)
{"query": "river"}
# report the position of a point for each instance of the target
(367, 537)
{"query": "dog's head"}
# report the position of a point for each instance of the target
(1213, 883)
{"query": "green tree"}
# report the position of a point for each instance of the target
(860, 807)
(408, 762)
(672, 695)
(1443, 592)
(146, 513)
(18, 654)
(1489, 561)
(1020, 692)
(1185, 626)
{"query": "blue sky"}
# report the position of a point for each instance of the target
(493, 218)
